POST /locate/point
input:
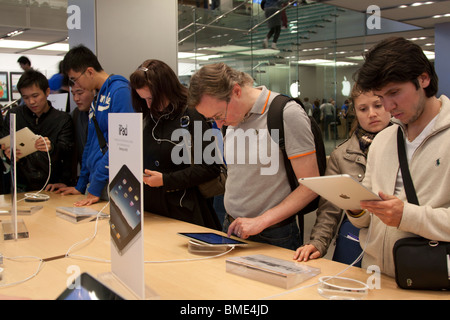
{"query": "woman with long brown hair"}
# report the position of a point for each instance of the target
(171, 184)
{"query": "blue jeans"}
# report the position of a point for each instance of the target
(287, 236)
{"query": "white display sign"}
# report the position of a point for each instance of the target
(126, 200)
(58, 101)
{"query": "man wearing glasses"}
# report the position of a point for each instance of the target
(113, 95)
(260, 206)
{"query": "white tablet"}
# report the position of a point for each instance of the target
(25, 141)
(342, 190)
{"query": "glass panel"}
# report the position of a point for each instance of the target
(303, 63)
(314, 57)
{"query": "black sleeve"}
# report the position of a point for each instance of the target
(198, 173)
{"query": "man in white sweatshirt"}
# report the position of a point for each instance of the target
(401, 75)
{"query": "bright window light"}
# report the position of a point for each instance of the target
(188, 55)
(209, 57)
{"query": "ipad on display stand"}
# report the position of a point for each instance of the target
(14, 229)
(212, 239)
(208, 243)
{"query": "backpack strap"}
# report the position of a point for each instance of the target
(275, 121)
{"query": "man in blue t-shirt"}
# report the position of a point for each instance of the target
(113, 96)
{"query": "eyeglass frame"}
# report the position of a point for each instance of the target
(220, 119)
(74, 81)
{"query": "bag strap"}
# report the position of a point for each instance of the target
(406, 176)
(275, 121)
(101, 138)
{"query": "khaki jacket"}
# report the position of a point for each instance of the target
(430, 172)
(347, 158)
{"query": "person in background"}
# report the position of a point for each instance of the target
(274, 23)
(56, 81)
(308, 106)
(348, 158)
(25, 63)
(316, 112)
(171, 187)
(84, 100)
(329, 115)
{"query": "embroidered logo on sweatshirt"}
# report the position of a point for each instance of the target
(106, 101)
(438, 162)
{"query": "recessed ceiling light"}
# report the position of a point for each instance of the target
(18, 44)
(430, 54)
(56, 47)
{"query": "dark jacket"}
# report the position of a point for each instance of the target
(33, 170)
(179, 197)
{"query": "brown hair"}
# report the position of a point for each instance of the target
(354, 94)
(163, 84)
(395, 60)
(216, 80)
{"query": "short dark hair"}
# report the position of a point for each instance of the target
(395, 59)
(24, 60)
(79, 59)
(30, 78)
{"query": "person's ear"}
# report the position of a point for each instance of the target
(424, 80)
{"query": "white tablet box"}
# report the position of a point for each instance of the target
(281, 273)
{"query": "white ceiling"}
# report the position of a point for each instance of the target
(420, 16)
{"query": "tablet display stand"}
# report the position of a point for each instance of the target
(198, 248)
(14, 229)
(112, 281)
(10, 233)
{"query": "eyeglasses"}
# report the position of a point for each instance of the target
(74, 81)
(218, 118)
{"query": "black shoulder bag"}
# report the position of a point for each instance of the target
(420, 263)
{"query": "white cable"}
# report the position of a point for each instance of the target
(194, 259)
(91, 237)
(336, 275)
(41, 263)
(157, 262)
(38, 194)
